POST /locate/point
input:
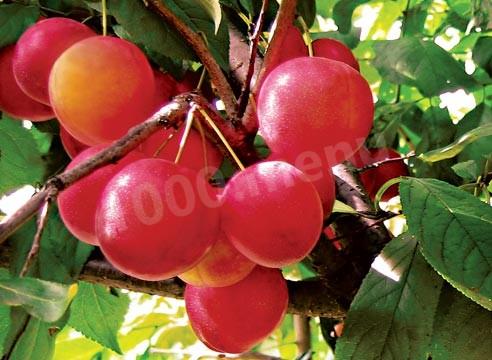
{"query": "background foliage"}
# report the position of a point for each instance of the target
(429, 65)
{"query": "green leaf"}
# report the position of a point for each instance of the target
(342, 13)
(467, 170)
(307, 9)
(453, 149)
(435, 72)
(14, 20)
(146, 28)
(350, 39)
(340, 207)
(212, 8)
(61, 256)
(71, 347)
(481, 115)
(98, 314)
(453, 228)
(462, 329)
(45, 300)
(199, 21)
(20, 159)
(391, 317)
(482, 53)
(5, 320)
(36, 343)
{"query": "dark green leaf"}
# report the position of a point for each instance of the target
(36, 343)
(462, 7)
(482, 53)
(20, 159)
(98, 314)
(212, 8)
(342, 13)
(14, 20)
(435, 72)
(148, 29)
(61, 255)
(415, 18)
(199, 21)
(43, 299)
(307, 9)
(462, 329)
(467, 170)
(454, 230)
(391, 317)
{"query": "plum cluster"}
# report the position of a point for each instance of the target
(154, 218)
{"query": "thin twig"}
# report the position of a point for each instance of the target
(36, 243)
(196, 42)
(385, 161)
(253, 48)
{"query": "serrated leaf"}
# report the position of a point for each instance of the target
(61, 256)
(14, 20)
(456, 147)
(43, 299)
(146, 28)
(20, 159)
(198, 21)
(213, 10)
(435, 72)
(342, 13)
(391, 317)
(37, 342)
(462, 329)
(467, 170)
(453, 228)
(98, 314)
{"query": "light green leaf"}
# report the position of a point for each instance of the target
(37, 342)
(454, 230)
(435, 72)
(14, 20)
(45, 300)
(72, 347)
(20, 159)
(342, 13)
(61, 256)
(340, 207)
(453, 149)
(4, 317)
(98, 314)
(392, 317)
(462, 329)
(212, 8)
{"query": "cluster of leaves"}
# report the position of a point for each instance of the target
(436, 302)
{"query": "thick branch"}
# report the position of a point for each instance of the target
(197, 43)
(308, 298)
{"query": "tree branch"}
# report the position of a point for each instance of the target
(308, 298)
(197, 43)
(253, 48)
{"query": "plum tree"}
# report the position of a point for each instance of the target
(262, 205)
(305, 96)
(223, 265)
(151, 223)
(100, 87)
(232, 319)
(12, 99)
(78, 204)
(37, 50)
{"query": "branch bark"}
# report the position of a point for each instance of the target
(309, 298)
(197, 43)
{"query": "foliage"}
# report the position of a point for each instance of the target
(429, 65)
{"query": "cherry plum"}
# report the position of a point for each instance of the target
(334, 50)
